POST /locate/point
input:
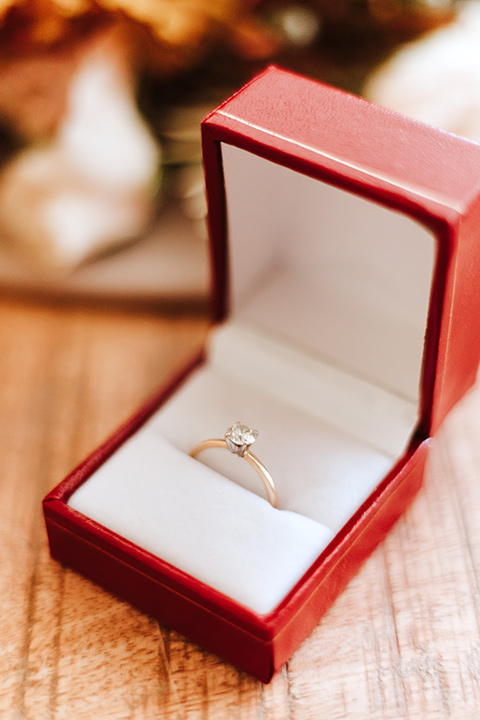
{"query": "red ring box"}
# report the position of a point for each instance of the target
(345, 253)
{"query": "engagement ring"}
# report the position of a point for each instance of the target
(238, 438)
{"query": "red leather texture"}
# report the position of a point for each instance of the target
(429, 175)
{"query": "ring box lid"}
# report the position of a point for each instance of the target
(429, 177)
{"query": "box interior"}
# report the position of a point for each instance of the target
(322, 353)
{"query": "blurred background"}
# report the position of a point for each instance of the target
(101, 187)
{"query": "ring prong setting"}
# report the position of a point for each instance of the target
(239, 437)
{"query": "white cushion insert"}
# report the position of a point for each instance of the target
(200, 522)
(318, 470)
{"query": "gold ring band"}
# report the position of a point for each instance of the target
(237, 440)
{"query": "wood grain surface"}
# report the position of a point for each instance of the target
(402, 641)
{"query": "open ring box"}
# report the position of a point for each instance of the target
(346, 256)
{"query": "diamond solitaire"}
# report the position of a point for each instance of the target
(239, 437)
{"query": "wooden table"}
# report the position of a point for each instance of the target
(402, 641)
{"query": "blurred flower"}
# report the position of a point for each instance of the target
(92, 185)
(437, 78)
